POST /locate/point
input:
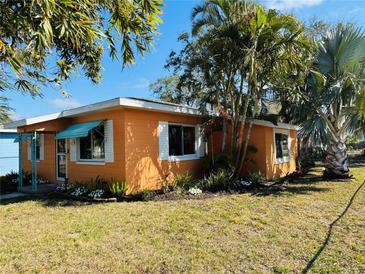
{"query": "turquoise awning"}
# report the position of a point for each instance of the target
(24, 136)
(78, 130)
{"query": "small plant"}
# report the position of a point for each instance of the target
(256, 178)
(97, 183)
(118, 188)
(184, 181)
(217, 181)
(97, 193)
(64, 187)
(79, 191)
(195, 191)
(146, 195)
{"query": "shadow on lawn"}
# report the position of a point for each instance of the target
(330, 229)
(287, 189)
(47, 200)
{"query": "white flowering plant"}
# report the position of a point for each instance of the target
(79, 191)
(98, 193)
(195, 191)
(63, 187)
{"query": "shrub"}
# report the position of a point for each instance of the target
(118, 188)
(97, 183)
(217, 162)
(79, 191)
(195, 191)
(256, 178)
(146, 195)
(97, 193)
(217, 181)
(9, 182)
(183, 181)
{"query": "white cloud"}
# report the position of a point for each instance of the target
(292, 4)
(64, 103)
(139, 83)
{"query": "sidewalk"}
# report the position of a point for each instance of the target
(13, 195)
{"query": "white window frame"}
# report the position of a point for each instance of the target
(187, 157)
(283, 159)
(88, 161)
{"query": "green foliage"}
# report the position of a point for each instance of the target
(8, 182)
(257, 178)
(118, 188)
(183, 181)
(217, 181)
(168, 89)
(217, 162)
(4, 110)
(237, 49)
(92, 184)
(74, 34)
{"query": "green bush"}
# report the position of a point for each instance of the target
(183, 181)
(118, 188)
(257, 178)
(97, 183)
(9, 182)
(217, 162)
(217, 181)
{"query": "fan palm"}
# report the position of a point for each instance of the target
(334, 97)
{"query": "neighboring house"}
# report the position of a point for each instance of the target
(9, 151)
(137, 140)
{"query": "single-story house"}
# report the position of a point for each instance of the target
(9, 151)
(138, 140)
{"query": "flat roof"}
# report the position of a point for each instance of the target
(129, 102)
(6, 130)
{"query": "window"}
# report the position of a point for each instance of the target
(281, 147)
(92, 147)
(38, 147)
(181, 140)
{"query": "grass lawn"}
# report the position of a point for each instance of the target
(268, 232)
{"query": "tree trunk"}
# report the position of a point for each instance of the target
(224, 138)
(336, 161)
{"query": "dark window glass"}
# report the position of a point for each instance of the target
(38, 147)
(279, 151)
(175, 140)
(92, 146)
(285, 146)
(98, 143)
(282, 146)
(61, 146)
(189, 140)
(85, 147)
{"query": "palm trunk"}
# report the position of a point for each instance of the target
(224, 139)
(336, 161)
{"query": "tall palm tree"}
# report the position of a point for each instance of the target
(264, 41)
(331, 106)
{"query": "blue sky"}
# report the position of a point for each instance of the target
(134, 81)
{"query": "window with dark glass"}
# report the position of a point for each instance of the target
(92, 147)
(281, 144)
(38, 147)
(181, 140)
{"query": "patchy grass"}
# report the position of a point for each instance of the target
(267, 232)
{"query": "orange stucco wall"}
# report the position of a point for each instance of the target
(143, 167)
(262, 137)
(136, 150)
(75, 171)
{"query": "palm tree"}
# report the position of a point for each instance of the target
(263, 41)
(331, 103)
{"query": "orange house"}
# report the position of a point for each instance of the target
(137, 140)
